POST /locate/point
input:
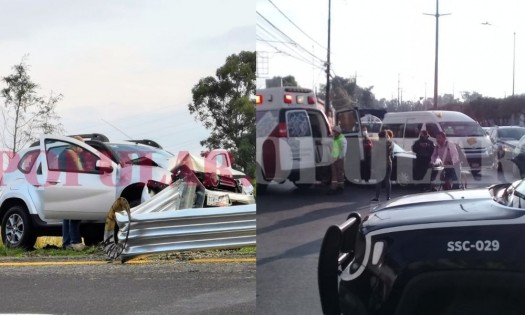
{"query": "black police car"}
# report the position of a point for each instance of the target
(449, 252)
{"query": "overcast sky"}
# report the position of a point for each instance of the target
(390, 44)
(127, 65)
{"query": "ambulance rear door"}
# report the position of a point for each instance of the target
(299, 140)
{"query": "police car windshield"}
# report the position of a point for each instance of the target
(462, 129)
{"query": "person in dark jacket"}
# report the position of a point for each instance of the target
(367, 158)
(423, 148)
(382, 155)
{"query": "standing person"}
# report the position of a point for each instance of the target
(423, 148)
(446, 153)
(338, 157)
(382, 155)
(367, 152)
(69, 160)
(389, 133)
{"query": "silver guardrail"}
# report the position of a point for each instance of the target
(167, 222)
(188, 229)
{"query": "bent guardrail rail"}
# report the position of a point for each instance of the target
(159, 226)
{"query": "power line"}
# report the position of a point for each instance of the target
(296, 25)
(302, 59)
(299, 55)
(289, 38)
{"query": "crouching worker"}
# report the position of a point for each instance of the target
(338, 158)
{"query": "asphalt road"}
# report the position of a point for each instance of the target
(160, 287)
(290, 226)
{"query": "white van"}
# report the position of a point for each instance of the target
(459, 128)
(293, 137)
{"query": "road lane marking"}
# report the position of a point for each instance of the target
(219, 260)
(60, 263)
(98, 262)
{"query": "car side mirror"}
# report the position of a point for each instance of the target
(103, 166)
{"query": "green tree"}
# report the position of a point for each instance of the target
(345, 93)
(223, 105)
(288, 80)
(26, 114)
(341, 92)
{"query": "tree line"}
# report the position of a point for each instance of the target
(488, 111)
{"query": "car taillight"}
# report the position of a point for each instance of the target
(280, 131)
(311, 100)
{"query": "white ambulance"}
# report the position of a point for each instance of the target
(293, 137)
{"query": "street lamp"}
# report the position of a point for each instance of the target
(513, 56)
(513, 63)
(437, 15)
(327, 98)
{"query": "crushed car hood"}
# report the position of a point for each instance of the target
(436, 207)
(200, 164)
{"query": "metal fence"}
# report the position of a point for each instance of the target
(144, 233)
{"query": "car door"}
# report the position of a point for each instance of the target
(410, 134)
(321, 137)
(299, 141)
(350, 124)
(69, 193)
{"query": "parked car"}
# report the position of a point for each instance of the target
(518, 159)
(431, 253)
(504, 140)
(36, 194)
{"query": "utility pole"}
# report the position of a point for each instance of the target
(327, 98)
(398, 91)
(437, 15)
(513, 63)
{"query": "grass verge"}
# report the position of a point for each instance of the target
(51, 247)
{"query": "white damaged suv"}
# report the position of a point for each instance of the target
(37, 192)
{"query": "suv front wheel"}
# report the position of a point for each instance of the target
(17, 228)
